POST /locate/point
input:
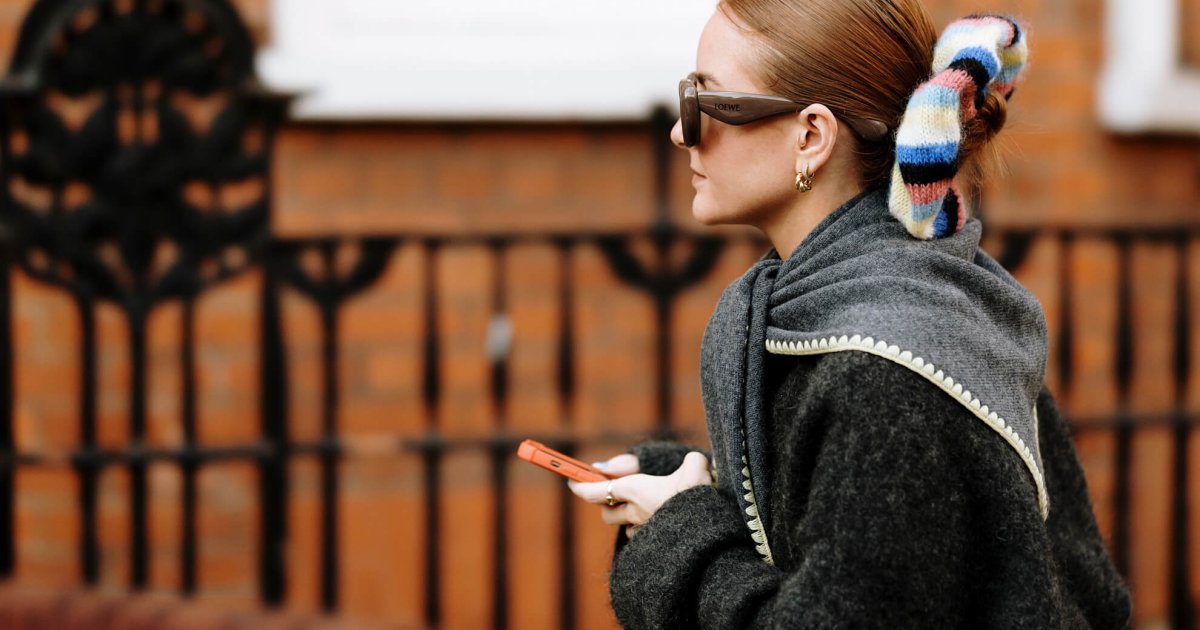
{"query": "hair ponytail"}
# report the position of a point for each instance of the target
(861, 58)
(976, 64)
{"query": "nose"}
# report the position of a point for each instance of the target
(677, 134)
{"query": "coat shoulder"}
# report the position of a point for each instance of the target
(858, 384)
(860, 393)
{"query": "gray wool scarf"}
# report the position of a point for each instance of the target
(859, 281)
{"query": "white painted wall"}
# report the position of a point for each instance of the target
(481, 59)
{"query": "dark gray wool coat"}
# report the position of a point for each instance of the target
(875, 528)
(892, 506)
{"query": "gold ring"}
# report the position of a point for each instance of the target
(608, 498)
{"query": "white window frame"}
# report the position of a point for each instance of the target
(1144, 86)
(481, 59)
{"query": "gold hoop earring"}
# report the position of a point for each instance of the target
(804, 180)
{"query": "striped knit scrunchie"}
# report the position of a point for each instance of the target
(973, 55)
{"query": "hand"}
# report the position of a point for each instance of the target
(620, 465)
(641, 495)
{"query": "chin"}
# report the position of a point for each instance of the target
(705, 212)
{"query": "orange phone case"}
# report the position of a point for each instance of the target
(537, 453)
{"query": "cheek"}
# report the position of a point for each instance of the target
(747, 179)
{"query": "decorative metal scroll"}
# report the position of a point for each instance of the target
(135, 144)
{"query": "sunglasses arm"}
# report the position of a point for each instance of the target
(737, 108)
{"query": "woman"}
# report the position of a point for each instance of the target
(885, 453)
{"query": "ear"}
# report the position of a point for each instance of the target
(816, 137)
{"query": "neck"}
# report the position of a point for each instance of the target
(787, 228)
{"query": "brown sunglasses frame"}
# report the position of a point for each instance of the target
(739, 108)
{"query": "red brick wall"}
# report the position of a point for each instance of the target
(353, 179)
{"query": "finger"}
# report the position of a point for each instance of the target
(616, 515)
(693, 471)
(696, 460)
(694, 464)
(620, 465)
(591, 491)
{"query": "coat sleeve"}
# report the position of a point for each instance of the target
(1091, 581)
(662, 457)
(882, 543)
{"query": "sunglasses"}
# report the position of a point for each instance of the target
(739, 108)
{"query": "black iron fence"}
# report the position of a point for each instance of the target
(109, 208)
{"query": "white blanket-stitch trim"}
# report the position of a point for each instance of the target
(926, 369)
(757, 531)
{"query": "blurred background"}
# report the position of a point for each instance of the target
(287, 281)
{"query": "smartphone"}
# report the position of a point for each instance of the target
(537, 453)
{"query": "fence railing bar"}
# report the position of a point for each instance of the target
(189, 466)
(566, 407)
(102, 457)
(1123, 368)
(272, 451)
(431, 455)
(1181, 604)
(499, 346)
(1151, 234)
(1147, 419)
(394, 445)
(139, 555)
(89, 544)
(8, 444)
(329, 304)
